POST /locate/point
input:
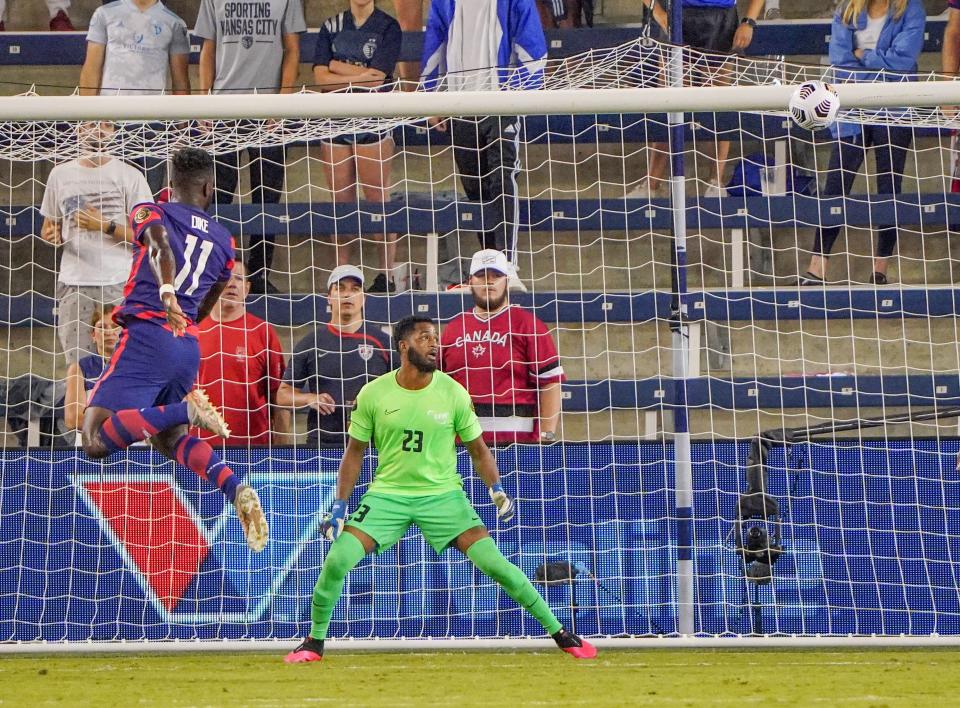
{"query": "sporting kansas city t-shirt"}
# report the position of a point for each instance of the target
(249, 37)
(415, 433)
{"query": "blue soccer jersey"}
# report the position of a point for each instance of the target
(203, 251)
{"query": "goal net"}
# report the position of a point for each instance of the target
(712, 473)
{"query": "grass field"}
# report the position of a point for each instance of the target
(618, 677)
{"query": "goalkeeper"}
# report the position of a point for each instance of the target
(414, 415)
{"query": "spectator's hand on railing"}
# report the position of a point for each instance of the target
(51, 233)
(323, 403)
(438, 123)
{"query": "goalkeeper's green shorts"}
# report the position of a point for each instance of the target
(441, 517)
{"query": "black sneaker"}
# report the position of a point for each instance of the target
(310, 649)
(808, 279)
(261, 286)
(573, 645)
(879, 279)
(380, 285)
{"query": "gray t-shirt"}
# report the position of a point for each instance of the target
(249, 37)
(93, 257)
(138, 46)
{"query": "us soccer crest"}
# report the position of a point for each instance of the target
(365, 351)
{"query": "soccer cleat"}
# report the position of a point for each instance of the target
(310, 649)
(573, 645)
(252, 518)
(879, 279)
(204, 414)
(61, 22)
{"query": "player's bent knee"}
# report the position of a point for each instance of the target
(95, 449)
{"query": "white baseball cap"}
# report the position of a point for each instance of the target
(490, 259)
(344, 271)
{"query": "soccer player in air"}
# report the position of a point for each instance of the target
(414, 415)
(181, 264)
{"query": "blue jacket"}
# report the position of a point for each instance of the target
(898, 48)
(522, 50)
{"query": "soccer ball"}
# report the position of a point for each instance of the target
(814, 105)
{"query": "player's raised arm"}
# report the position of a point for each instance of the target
(486, 466)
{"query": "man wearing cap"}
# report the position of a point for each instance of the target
(505, 357)
(331, 364)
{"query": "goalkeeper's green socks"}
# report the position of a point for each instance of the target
(344, 554)
(491, 562)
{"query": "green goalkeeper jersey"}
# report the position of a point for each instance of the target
(415, 433)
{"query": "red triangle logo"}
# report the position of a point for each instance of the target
(157, 532)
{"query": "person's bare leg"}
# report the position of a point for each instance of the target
(340, 171)
(373, 174)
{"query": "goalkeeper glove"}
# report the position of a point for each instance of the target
(505, 506)
(334, 519)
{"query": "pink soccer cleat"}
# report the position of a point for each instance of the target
(575, 646)
(310, 649)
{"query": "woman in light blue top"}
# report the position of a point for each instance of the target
(874, 39)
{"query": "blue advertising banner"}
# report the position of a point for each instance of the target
(136, 548)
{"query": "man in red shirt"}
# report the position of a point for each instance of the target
(241, 362)
(505, 357)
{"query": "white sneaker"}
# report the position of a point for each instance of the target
(715, 190)
(204, 414)
(645, 189)
(516, 284)
(252, 518)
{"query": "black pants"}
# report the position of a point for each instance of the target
(485, 150)
(890, 146)
(266, 183)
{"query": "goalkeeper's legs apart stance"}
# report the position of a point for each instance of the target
(352, 545)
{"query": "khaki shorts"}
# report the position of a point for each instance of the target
(75, 306)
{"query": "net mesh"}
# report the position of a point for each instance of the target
(135, 548)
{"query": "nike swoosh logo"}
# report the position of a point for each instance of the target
(391, 412)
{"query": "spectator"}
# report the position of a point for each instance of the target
(59, 18)
(869, 36)
(83, 374)
(85, 207)
(241, 363)
(459, 47)
(565, 14)
(712, 26)
(358, 50)
(251, 46)
(130, 46)
(410, 17)
(505, 358)
(330, 365)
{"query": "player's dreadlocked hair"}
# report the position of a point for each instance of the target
(403, 328)
(191, 165)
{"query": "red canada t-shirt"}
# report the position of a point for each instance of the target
(241, 365)
(503, 362)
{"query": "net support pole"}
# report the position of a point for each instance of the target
(681, 339)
